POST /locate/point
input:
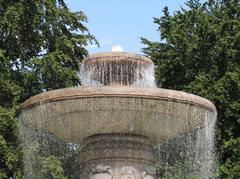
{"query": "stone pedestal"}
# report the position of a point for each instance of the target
(117, 156)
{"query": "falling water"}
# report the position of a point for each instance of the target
(188, 154)
(48, 156)
(117, 71)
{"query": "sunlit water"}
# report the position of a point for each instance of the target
(130, 73)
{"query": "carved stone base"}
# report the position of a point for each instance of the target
(117, 156)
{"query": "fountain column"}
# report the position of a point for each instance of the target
(118, 156)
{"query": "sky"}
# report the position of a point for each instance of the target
(119, 24)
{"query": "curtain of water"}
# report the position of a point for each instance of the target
(189, 155)
(45, 155)
(130, 73)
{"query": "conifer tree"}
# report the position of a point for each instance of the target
(199, 52)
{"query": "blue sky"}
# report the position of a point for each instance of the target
(121, 23)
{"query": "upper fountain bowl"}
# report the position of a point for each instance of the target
(117, 68)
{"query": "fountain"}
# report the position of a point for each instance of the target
(118, 117)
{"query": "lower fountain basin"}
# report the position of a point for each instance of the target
(76, 113)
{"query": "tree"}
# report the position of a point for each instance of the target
(199, 52)
(41, 45)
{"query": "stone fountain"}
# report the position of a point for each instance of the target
(118, 115)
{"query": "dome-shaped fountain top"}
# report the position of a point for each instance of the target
(117, 68)
(113, 56)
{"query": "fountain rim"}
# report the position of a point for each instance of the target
(117, 91)
(108, 56)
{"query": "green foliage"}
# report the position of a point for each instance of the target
(10, 154)
(231, 167)
(37, 166)
(52, 168)
(41, 45)
(175, 172)
(199, 52)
